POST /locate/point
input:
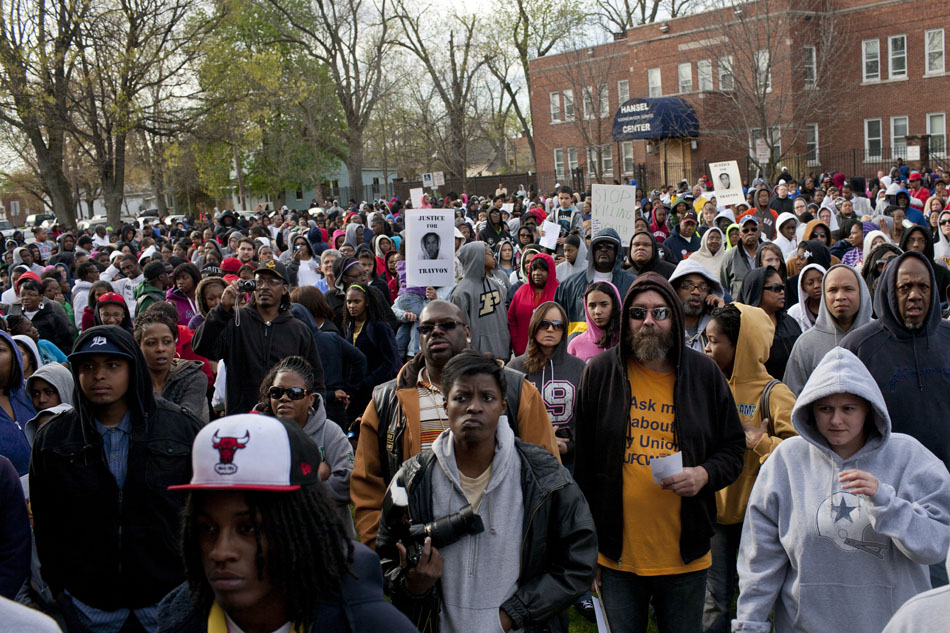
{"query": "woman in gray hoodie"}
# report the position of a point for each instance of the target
(842, 521)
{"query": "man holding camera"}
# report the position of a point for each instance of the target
(252, 338)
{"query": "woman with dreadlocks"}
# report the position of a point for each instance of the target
(263, 547)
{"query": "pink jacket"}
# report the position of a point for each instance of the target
(584, 345)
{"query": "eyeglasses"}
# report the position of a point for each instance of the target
(294, 393)
(552, 325)
(881, 263)
(659, 314)
(944, 222)
(269, 281)
(750, 230)
(688, 287)
(446, 326)
(776, 288)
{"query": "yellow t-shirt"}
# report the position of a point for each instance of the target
(651, 527)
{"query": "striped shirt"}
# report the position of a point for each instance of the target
(432, 417)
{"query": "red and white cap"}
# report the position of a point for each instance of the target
(252, 452)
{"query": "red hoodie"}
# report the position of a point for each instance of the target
(524, 302)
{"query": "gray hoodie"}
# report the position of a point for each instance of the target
(827, 559)
(826, 334)
(480, 572)
(691, 267)
(482, 298)
(927, 612)
(337, 452)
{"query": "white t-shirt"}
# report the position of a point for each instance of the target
(599, 276)
(309, 272)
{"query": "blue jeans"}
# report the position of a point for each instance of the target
(721, 580)
(407, 334)
(677, 601)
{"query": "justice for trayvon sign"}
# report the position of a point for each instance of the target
(430, 247)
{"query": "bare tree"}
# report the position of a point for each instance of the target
(619, 15)
(780, 73)
(38, 41)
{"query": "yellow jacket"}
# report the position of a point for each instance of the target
(747, 382)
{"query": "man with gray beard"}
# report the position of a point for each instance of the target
(651, 397)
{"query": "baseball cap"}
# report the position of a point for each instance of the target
(273, 267)
(914, 175)
(252, 452)
(148, 252)
(689, 216)
(750, 218)
(231, 264)
(110, 297)
(99, 345)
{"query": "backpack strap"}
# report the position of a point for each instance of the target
(764, 404)
(515, 380)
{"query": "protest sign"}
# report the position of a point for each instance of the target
(427, 180)
(550, 232)
(727, 182)
(430, 247)
(616, 207)
(416, 196)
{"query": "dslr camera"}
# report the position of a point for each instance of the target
(247, 285)
(443, 531)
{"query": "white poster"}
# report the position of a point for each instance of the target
(614, 206)
(550, 231)
(913, 152)
(415, 195)
(430, 247)
(727, 182)
(438, 178)
(427, 180)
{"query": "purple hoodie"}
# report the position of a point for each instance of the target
(403, 289)
(186, 308)
(584, 345)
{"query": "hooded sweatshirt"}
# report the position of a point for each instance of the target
(800, 311)
(789, 246)
(924, 613)
(941, 248)
(18, 260)
(871, 236)
(812, 346)
(825, 558)
(13, 443)
(565, 269)
(749, 378)
(689, 267)
(482, 300)
(62, 381)
(336, 451)
(186, 385)
(786, 328)
(526, 299)
(469, 603)
(909, 366)
(705, 258)
(941, 273)
(585, 345)
(657, 263)
(570, 294)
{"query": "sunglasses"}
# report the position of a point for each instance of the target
(446, 326)
(752, 230)
(659, 314)
(551, 325)
(294, 393)
(944, 222)
(776, 288)
(818, 234)
(881, 263)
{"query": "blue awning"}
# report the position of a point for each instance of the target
(663, 117)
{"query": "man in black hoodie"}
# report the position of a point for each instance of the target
(251, 339)
(106, 527)
(651, 396)
(918, 238)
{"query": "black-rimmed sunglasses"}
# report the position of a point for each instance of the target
(446, 326)
(294, 393)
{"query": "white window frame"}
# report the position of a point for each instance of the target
(654, 82)
(607, 159)
(727, 80)
(811, 139)
(810, 66)
(891, 73)
(704, 77)
(943, 136)
(626, 156)
(588, 100)
(868, 155)
(603, 100)
(763, 55)
(571, 159)
(899, 150)
(559, 163)
(865, 59)
(623, 91)
(684, 77)
(936, 69)
(556, 111)
(568, 108)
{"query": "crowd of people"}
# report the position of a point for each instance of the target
(729, 419)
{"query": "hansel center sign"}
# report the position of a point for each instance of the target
(664, 117)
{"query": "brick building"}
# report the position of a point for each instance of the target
(847, 85)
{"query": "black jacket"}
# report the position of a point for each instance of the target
(556, 515)
(112, 548)
(344, 365)
(362, 606)
(250, 347)
(705, 424)
(54, 328)
(787, 329)
(658, 262)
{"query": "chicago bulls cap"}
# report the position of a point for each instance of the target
(252, 452)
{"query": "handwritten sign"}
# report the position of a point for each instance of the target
(430, 247)
(727, 182)
(615, 207)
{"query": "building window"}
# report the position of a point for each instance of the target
(934, 43)
(704, 74)
(898, 136)
(571, 159)
(937, 129)
(559, 163)
(654, 82)
(375, 186)
(811, 143)
(872, 139)
(555, 107)
(897, 55)
(588, 93)
(568, 105)
(871, 57)
(603, 99)
(299, 194)
(623, 91)
(607, 160)
(810, 67)
(685, 74)
(763, 71)
(726, 81)
(627, 149)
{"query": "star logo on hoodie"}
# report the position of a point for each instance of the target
(843, 511)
